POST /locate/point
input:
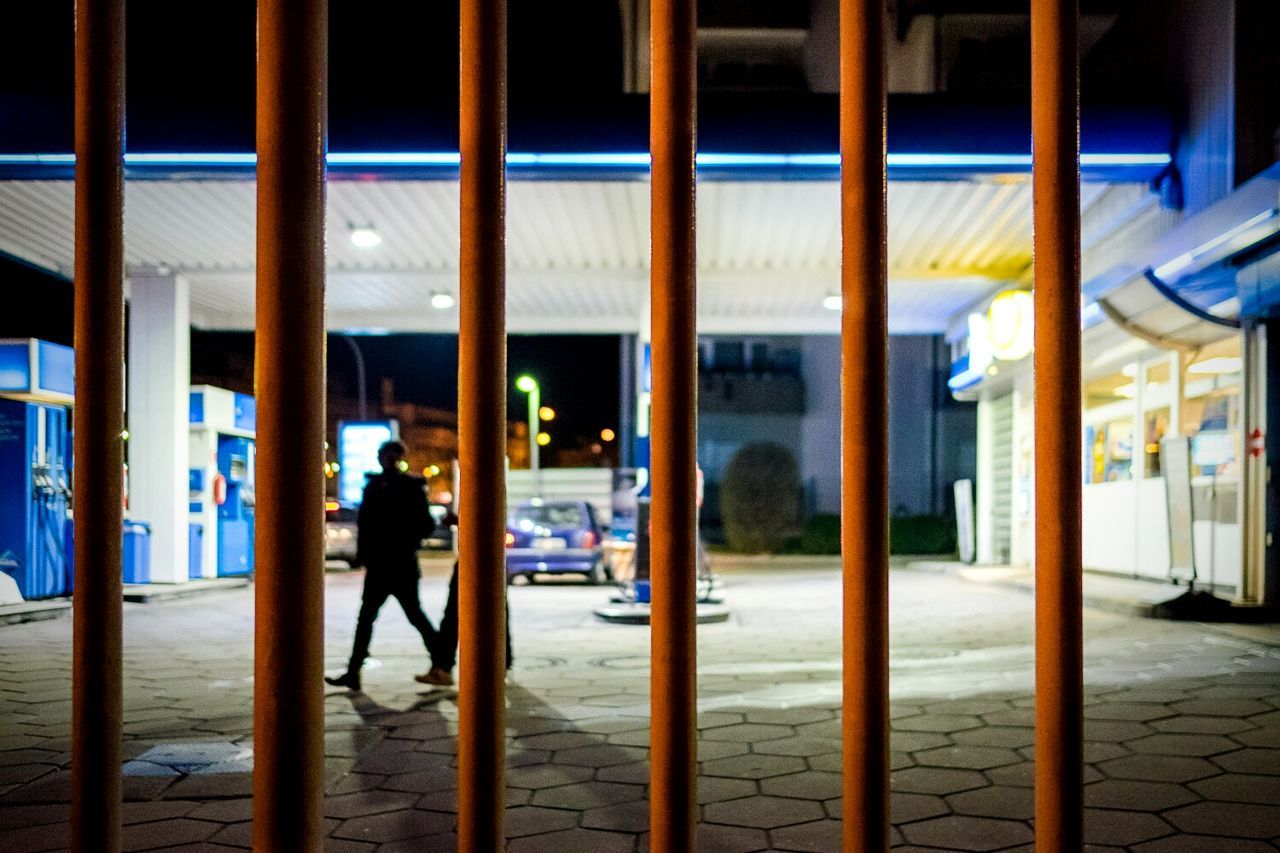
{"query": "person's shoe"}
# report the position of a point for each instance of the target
(349, 680)
(437, 676)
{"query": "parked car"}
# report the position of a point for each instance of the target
(441, 539)
(340, 532)
(555, 537)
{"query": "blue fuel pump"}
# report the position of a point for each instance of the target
(35, 465)
(235, 513)
(221, 480)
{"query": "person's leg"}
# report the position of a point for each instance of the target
(447, 640)
(374, 595)
(406, 592)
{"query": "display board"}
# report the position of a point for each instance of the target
(358, 443)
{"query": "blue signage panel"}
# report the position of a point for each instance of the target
(15, 366)
(246, 412)
(57, 367)
(358, 443)
(196, 415)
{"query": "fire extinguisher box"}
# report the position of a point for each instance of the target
(137, 552)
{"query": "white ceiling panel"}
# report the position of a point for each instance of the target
(577, 251)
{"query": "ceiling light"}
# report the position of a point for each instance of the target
(1130, 370)
(833, 302)
(442, 300)
(365, 237)
(1128, 390)
(1221, 364)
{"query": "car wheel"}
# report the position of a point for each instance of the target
(599, 575)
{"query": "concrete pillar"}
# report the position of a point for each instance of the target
(159, 377)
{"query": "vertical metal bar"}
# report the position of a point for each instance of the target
(482, 427)
(96, 691)
(1055, 130)
(288, 704)
(864, 385)
(673, 556)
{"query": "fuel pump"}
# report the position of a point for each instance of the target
(221, 482)
(36, 381)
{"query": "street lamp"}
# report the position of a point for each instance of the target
(528, 385)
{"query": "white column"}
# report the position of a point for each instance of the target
(985, 504)
(159, 375)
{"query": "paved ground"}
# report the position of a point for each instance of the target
(1183, 726)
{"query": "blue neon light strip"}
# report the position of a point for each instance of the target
(621, 160)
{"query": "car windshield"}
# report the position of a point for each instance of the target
(548, 515)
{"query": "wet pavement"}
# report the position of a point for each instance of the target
(1182, 725)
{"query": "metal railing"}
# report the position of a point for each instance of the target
(291, 141)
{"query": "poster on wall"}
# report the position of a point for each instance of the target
(1175, 457)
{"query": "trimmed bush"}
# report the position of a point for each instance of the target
(761, 502)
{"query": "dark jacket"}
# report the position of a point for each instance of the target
(392, 522)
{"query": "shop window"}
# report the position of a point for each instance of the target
(1110, 451)
(1156, 426)
(1212, 413)
(1158, 374)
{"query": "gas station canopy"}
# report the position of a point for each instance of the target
(578, 221)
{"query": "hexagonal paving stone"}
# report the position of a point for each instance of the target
(366, 803)
(935, 780)
(971, 757)
(937, 723)
(748, 732)
(1201, 725)
(1219, 707)
(1122, 828)
(1184, 843)
(753, 766)
(1010, 737)
(1240, 788)
(1133, 711)
(1114, 730)
(1160, 768)
(788, 716)
(713, 789)
(912, 741)
(907, 808)
(1173, 744)
(763, 812)
(574, 839)
(1002, 801)
(1239, 820)
(813, 785)
(587, 795)
(960, 832)
(800, 746)
(393, 826)
(535, 820)
(547, 775)
(603, 755)
(821, 836)
(1265, 761)
(717, 838)
(620, 817)
(1136, 796)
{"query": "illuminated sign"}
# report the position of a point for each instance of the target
(1010, 325)
(358, 443)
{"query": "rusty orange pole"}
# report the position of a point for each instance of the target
(288, 699)
(97, 670)
(673, 555)
(1055, 131)
(482, 427)
(864, 535)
